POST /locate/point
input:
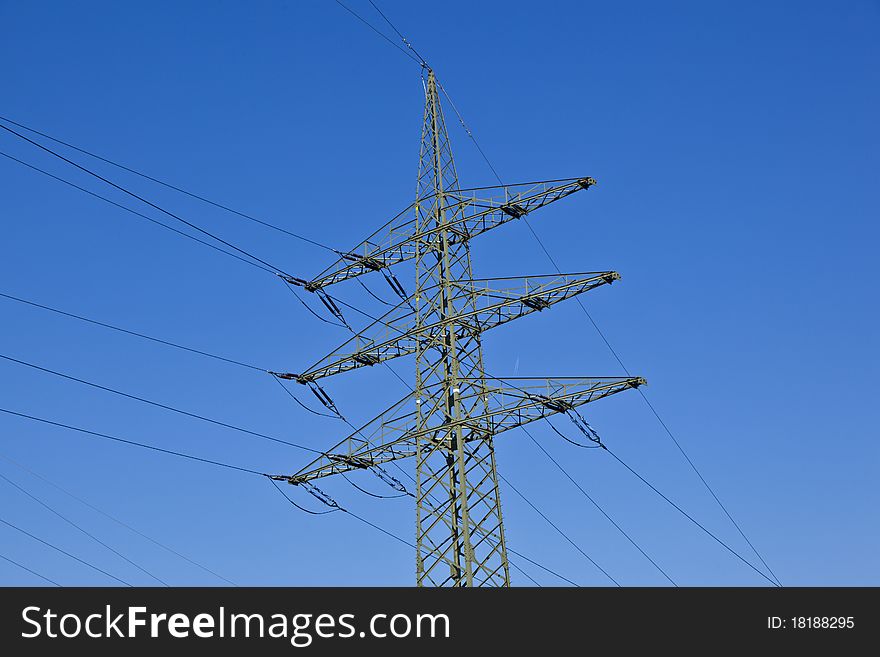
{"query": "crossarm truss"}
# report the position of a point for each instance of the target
(498, 302)
(472, 212)
(510, 403)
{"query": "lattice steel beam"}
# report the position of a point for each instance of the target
(394, 433)
(395, 334)
(473, 212)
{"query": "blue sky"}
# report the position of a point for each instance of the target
(735, 145)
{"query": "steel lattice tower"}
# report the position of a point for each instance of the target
(450, 385)
(455, 411)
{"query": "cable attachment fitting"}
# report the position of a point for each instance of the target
(367, 262)
(287, 376)
(513, 210)
(558, 405)
(353, 461)
(293, 280)
(308, 286)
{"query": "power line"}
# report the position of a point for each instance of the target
(254, 257)
(535, 563)
(171, 408)
(656, 414)
(200, 241)
(179, 232)
(80, 529)
(410, 477)
(525, 574)
(613, 352)
(303, 509)
(168, 343)
(374, 495)
(596, 504)
(433, 499)
(381, 34)
(373, 294)
(406, 42)
(127, 209)
(268, 268)
(170, 186)
(567, 439)
(378, 528)
(517, 491)
(380, 321)
(88, 383)
(152, 339)
(556, 527)
(469, 133)
(592, 321)
(135, 212)
(395, 536)
(64, 552)
(153, 403)
(187, 456)
(118, 392)
(415, 56)
(309, 308)
(115, 519)
(32, 572)
(405, 542)
(142, 199)
(398, 538)
(294, 398)
(129, 442)
(383, 323)
(421, 60)
(178, 346)
(400, 469)
(392, 535)
(688, 516)
(130, 332)
(158, 404)
(709, 488)
(494, 171)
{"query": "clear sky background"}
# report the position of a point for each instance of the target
(736, 148)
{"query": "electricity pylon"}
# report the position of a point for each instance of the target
(449, 421)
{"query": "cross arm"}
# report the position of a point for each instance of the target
(495, 301)
(470, 212)
(510, 403)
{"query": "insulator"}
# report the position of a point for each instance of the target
(323, 397)
(584, 426)
(389, 479)
(320, 495)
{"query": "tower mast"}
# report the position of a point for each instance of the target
(463, 527)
